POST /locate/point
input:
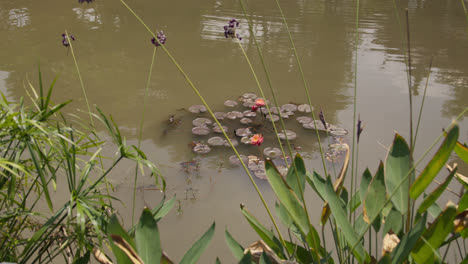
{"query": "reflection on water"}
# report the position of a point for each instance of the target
(114, 54)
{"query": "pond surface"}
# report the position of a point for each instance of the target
(114, 54)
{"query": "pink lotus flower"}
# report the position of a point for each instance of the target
(254, 108)
(256, 139)
(260, 102)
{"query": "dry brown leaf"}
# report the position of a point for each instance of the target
(127, 249)
(257, 248)
(390, 241)
(100, 257)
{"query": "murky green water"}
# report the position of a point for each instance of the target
(114, 54)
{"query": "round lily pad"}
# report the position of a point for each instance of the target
(234, 114)
(273, 118)
(234, 160)
(248, 104)
(200, 130)
(216, 129)
(245, 140)
(201, 121)
(313, 125)
(273, 110)
(271, 152)
(220, 115)
(230, 103)
(305, 108)
(249, 96)
(216, 141)
(243, 132)
(233, 141)
(304, 119)
(338, 132)
(290, 134)
(196, 109)
(246, 121)
(201, 148)
(249, 113)
(261, 175)
(289, 108)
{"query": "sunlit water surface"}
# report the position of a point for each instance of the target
(114, 54)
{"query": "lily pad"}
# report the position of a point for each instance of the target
(200, 130)
(249, 96)
(313, 125)
(220, 115)
(230, 103)
(273, 118)
(304, 119)
(245, 140)
(338, 132)
(290, 134)
(305, 108)
(271, 152)
(243, 132)
(289, 108)
(201, 148)
(246, 121)
(248, 104)
(249, 113)
(234, 114)
(234, 160)
(196, 109)
(200, 121)
(216, 141)
(282, 170)
(234, 142)
(284, 115)
(216, 129)
(273, 110)
(261, 175)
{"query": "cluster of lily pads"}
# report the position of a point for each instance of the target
(248, 122)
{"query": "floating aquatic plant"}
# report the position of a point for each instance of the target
(66, 41)
(200, 121)
(201, 130)
(196, 109)
(230, 103)
(87, 1)
(159, 40)
(230, 29)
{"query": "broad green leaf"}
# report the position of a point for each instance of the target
(463, 204)
(365, 181)
(386, 259)
(436, 163)
(291, 178)
(218, 261)
(163, 209)
(287, 197)
(325, 188)
(431, 198)
(375, 198)
(434, 236)
(393, 222)
(246, 259)
(194, 253)
(267, 236)
(434, 210)
(114, 228)
(147, 239)
(462, 151)
(408, 241)
(286, 219)
(127, 249)
(264, 259)
(236, 248)
(354, 203)
(397, 168)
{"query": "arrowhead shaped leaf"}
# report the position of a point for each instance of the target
(397, 167)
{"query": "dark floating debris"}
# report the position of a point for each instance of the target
(196, 109)
(200, 121)
(201, 148)
(230, 103)
(200, 130)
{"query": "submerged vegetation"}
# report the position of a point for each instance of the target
(390, 216)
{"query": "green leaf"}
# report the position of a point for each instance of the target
(287, 197)
(247, 259)
(436, 163)
(462, 151)
(375, 198)
(434, 210)
(218, 261)
(266, 235)
(434, 236)
(325, 188)
(291, 178)
(463, 204)
(431, 198)
(354, 203)
(147, 240)
(194, 253)
(236, 248)
(163, 209)
(264, 259)
(393, 222)
(408, 241)
(397, 167)
(365, 181)
(114, 228)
